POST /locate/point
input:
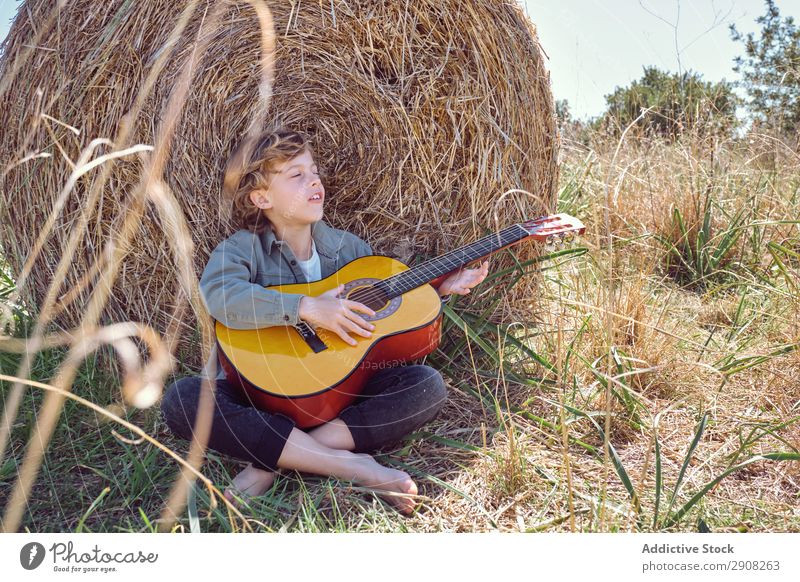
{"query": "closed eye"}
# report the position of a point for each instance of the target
(298, 175)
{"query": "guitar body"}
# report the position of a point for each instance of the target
(312, 379)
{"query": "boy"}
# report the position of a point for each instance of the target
(278, 199)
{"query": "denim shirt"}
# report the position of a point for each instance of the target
(233, 281)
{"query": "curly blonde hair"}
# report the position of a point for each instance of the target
(249, 167)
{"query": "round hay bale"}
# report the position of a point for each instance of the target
(422, 115)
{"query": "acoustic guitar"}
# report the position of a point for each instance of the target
(311, 375)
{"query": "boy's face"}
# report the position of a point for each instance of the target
(295, 195)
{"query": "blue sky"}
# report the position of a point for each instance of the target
(596, 45)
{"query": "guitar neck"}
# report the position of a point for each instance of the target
(432, 269)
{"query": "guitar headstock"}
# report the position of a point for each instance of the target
(554, 229)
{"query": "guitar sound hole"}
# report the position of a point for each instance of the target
(370, 296)
(364, 291)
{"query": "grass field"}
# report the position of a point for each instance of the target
(653, 384)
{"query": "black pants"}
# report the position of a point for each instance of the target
(395, 402)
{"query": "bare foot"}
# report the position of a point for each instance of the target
(372, 474)
(250, 482)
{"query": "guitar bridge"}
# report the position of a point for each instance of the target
(310, 337)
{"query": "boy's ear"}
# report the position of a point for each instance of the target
(260, 198)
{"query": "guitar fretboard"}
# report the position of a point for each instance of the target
(429, 270)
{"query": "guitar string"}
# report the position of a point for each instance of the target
(450, 261)
(465, 257)
(419, 274)
(462, 255)
(422, 267)
(373, 293)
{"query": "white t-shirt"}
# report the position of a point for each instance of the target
(311, 267)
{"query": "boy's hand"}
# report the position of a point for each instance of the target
(461, 282)
(338, 315)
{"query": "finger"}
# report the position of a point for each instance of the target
(342, 333)
(353, 316)
(356, 306)
(355, 328)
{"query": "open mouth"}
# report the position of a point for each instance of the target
(318, 197)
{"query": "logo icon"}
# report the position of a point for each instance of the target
(31, 555)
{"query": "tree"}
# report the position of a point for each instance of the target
(563, 113)
(680, 102)
(770, 70)
(572, 129)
